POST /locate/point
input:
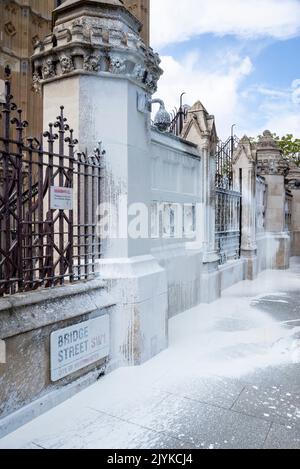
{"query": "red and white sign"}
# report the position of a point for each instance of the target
(2, 92)
(61, 198)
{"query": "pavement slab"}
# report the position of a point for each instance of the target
(229, 379)
(282, 437)
(206, 426)
(276, 404)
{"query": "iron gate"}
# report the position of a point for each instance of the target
(228, 204)
(48, 204)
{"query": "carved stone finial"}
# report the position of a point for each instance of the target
(245, 140)
(267, 141)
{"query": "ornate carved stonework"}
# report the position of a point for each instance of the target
(10, 29)
(91, 63)
(117, 65)
(267, 141)
(293, 185)
(139, 72)
(84, 32)
(270, 160)
(36, 84)
(272, 167)
(66, 64)
(293, 177)
(48, 70)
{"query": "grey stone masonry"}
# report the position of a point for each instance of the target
(26, 323)
(95, 37)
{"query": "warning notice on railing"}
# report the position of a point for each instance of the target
(61, 198)
(2, 92)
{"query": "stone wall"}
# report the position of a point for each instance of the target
(176, 184)
(266, 237)
(100, 70)
(26, 323)
(293, 184)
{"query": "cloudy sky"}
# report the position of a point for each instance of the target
(241, 58)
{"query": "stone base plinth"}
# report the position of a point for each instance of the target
(140, 318)
(183, 270)
(210, 282)
(250, 257)
(295, 243)
(26, 324)
(232, 272)
(273, 251)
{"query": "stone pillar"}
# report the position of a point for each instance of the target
(200, 129)
(244, 169)
(293, 184)
(98, 67)
(272, 166)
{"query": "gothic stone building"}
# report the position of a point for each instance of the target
(22, 24)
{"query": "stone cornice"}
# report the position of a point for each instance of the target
(101, 42)
(269, 167)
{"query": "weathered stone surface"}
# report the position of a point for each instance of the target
(96, 37)
(265, 238)
(25, 312)
(26, 323)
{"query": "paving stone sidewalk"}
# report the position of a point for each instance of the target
(230, 379)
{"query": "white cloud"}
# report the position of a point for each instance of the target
(275, 109)
(218, 79)
(174, 22)
(217, 89)
(282, 113)
(222, 91)
(284, 123)
(296, 91)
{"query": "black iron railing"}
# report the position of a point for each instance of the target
(228, 203)
(228, 224)
(288, 210)
(178, 119)
(224, 160)
(48, 205)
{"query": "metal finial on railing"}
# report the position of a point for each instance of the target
(70, 139)
(7, 72)
(49, 134)
(48, 207)
(177, 123)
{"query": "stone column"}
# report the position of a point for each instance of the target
(244, 169)
(200, 129)
(209, 192)
(293, 184)
(97, 67)
(273, 167)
